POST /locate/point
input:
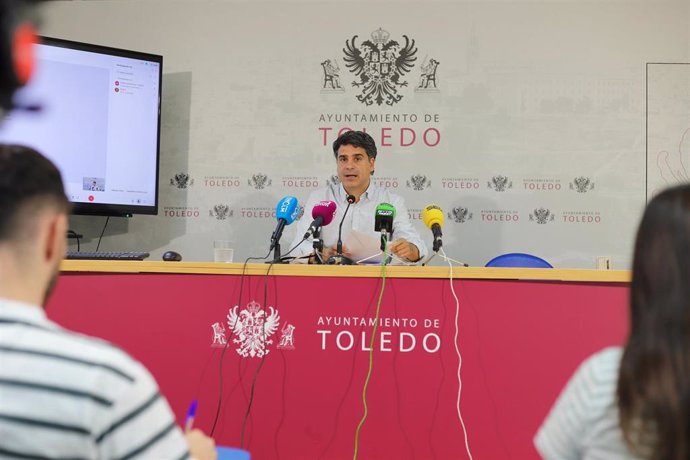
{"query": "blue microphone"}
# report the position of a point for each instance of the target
(286, 213)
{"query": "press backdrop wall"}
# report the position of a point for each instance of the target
(534, 138)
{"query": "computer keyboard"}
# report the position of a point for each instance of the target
(113, 255)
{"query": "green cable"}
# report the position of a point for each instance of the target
(371, 352)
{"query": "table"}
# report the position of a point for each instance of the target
(522, 332)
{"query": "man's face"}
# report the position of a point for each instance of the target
(354, 168)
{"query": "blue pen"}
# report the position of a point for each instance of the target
(191, 413)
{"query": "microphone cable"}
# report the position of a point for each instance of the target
(371, 352)
(263, 358)
(291, 249)
(227, 343)
(258, 369)
(457, 349)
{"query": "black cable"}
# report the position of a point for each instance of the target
(71, 234)
(291, 249)
(263, 358)
(227, 343)
(102, 232)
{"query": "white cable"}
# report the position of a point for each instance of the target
(370, 257)
(453, 260)
(401, 261)
(457, 350)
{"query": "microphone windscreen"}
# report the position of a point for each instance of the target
(431, 215)
(385, 209)
(325, 210)
(383, 219)
(288, 209)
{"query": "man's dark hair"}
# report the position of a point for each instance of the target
(27, 179)
(356, 139)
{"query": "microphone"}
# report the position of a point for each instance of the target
(339, 258)
(383, 219)
(383, 222)
(322, 213)
(432, 216)
(286, 213)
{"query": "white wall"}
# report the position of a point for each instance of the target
(539, 92)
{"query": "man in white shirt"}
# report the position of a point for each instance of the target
(65, 395)
(355, 155)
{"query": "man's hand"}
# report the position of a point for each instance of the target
(331, 251)
(201, 446)
(405, 250)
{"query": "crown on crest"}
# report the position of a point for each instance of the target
(380, 36)
(253, 307)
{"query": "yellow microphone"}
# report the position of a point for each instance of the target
(432, 216)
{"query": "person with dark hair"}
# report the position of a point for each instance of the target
(355, 156)
(633, 402)
(65, 395)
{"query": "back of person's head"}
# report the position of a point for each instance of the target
(356, 139)
(654, 380)
(29, 184)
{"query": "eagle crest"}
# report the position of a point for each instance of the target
(380, 64)
(252, 329)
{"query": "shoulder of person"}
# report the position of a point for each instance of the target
(603, 365)
(107, 357)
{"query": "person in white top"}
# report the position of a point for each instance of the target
(355, 155)
(65, 395)
(634, 402)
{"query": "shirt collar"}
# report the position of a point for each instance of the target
(22, 311)
(367, 195)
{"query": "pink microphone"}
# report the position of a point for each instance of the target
(323, 213)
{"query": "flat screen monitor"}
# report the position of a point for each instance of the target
(95, 111)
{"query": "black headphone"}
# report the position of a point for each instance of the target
(17, 39)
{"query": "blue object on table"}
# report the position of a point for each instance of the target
(230, 453)
(518, 259)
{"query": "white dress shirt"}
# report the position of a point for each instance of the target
(359, 217)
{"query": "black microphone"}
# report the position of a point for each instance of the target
(383, 222)
(339, 258)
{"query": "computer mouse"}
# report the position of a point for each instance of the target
(172, 256)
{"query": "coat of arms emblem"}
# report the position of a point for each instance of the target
(260, 181)
(418, 182)
(221, 211)
(333, 180)
(460, 215)
(331, 76)
(252, 329)
(428, 75)
(582, 184)
(500, 183)
(380, 64)
(287, 337)
(218, 335)
(182, 180)
(542, 216)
